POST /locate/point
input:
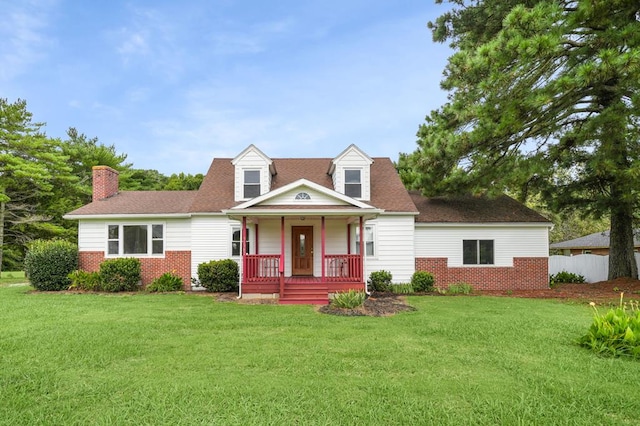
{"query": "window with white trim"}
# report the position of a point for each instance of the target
(236, 241)
(353, 183)
(251, 183)
(477, 252)
(369, 240)
(135, 240)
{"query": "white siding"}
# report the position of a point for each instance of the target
(211, 239)
(92, 235)
(317, 198)
(394, 236)
(509, 241)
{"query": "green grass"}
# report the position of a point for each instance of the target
(12, 277)
(185, 359)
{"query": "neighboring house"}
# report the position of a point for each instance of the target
(596, 243)
(301, 228)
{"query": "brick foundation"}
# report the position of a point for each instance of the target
(177, 262)
(527, 273)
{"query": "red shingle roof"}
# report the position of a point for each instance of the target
(140, 202)
(387, 191)
(470, 209)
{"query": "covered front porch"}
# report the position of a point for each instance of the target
(287, 261)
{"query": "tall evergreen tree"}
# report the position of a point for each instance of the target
(30, 164)
(544, 97)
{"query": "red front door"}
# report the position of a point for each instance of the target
(302, 250)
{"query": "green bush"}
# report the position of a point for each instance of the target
(48, 263)
(459, 288)
(564, 277)
(166, 282)
(380, 281)
(122, 274)
(83, 280)
(219, 275)
(348, 299)
(422, 281)
(616, 333)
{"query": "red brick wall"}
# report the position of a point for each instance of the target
(105, 182)
(177, 262)
(527, 273)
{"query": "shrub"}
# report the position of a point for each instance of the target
(380, 281)
(564, 277)
(459, 288)
(422, 281)
(48, 263)
(616, 333)
(348, 299)
(166, 282)
(83, 280)
(219, 275)
(121, 274)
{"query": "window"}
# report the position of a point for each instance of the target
(135, 239)
(352, 183)
(302, 196)
(236, 242)
(477, 252)
(369, 240)
(251, 183)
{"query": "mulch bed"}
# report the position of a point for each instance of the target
(604, 292)
(600, 292)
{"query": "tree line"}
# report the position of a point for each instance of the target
(43, 178)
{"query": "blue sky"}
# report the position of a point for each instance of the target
(175, 83)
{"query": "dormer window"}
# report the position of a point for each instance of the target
(352, 183)
(251, 183)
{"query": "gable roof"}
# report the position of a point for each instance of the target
(595, 240)
(387, 192)
(473, 209)
(139, 203)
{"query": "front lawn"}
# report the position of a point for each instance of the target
(185, 359)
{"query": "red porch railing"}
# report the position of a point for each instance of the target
(262, 267)
(343, 267)
(265, 268)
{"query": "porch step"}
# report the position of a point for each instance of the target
(300, 294)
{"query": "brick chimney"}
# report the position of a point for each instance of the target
(105, 182)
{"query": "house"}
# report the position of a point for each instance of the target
(596, 243)
(302, 228)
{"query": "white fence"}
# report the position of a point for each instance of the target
(592, 267)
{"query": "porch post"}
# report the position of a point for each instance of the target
(256, 249)
(323, 245)
(281, 265)
(243, 246)
(348, 238)
(361, 242)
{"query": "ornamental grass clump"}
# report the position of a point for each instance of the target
(348, 299)
(165, 283)
(616, 333)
